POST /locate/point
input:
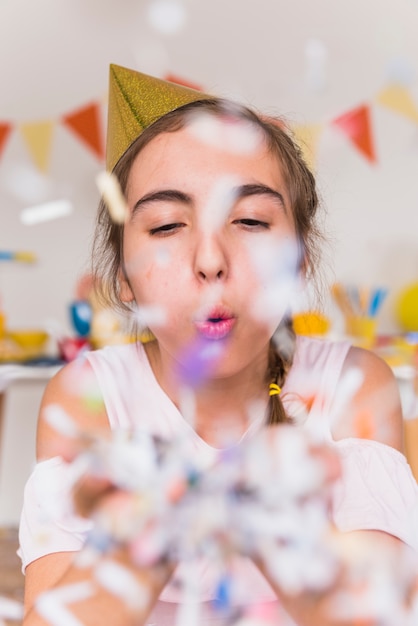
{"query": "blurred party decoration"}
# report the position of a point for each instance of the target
(356, 124)
(19, 345)
(360, 301)
(94, 324)
(86, 124)
(69, 348)
(32, 339)
(38, 138)
(23, 257)
(311, 323)
(360, 307)
(307, 137)
(46, 212)
(167, 16)
(316, 55)
(398, 98)
(173, 78)
(407, 308)
(5, 130)
(81, 316)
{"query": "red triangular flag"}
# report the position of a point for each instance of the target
(356, 124)
(172, 78)
(85, 123)
(5, 129)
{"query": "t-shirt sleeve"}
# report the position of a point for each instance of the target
(48, 522)
(377, 491)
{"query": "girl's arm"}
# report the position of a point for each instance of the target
(374, 411)
(52, 573)
(59, 576)
(320, 608)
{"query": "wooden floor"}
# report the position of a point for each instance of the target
(11, 577)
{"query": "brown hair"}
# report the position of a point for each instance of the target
(107, 256)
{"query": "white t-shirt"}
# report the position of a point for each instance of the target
(377, 489)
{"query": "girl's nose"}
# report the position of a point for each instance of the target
(211, 262)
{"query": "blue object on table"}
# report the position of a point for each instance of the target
(81, 316)
(376, 301)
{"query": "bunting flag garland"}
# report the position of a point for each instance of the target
(307, 136)
(5, 130)
(356, 124)
(398, 99)
(86, 125)
(173, 78)
(38, 138)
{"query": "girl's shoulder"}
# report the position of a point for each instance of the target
(374, 408)
(320, 355)
(69, 405)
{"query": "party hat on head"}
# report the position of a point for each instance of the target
(137, 100)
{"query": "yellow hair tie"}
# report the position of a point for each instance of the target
(274, 390)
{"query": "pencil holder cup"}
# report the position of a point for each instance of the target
(362, 330)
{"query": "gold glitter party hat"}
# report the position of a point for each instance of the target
(137, 100)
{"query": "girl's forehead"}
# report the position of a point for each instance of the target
(219, 141)
(202, 164)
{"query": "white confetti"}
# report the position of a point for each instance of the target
(226, 133)
(220, 202)
(52, 605)
(149, 316)
(162, 257)
(119, 581)
(278, 277)
(10, 609)
(46, 212)
(60, 421)
(27, 184)
(167, 16)
(109, 187)
(316, 64)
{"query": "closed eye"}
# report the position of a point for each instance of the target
(166, 229)
(252, 224)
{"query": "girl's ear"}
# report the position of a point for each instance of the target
(125, 292)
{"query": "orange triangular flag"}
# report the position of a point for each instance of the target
(356, 125)
(38, 137)
(173, 78)
(86, 125)
(5, 129)
(398, 99)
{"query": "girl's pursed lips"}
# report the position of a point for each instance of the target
(216, 328)
(217, 324)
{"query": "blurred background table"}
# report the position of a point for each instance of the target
(21, 389)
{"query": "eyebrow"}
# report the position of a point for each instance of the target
(172, 195)
(257, 189)
(240, 192)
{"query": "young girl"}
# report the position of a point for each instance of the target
(220, 228)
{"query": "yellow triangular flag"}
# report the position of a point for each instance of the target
(307, 137)
(398, 99)
(38, 138)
